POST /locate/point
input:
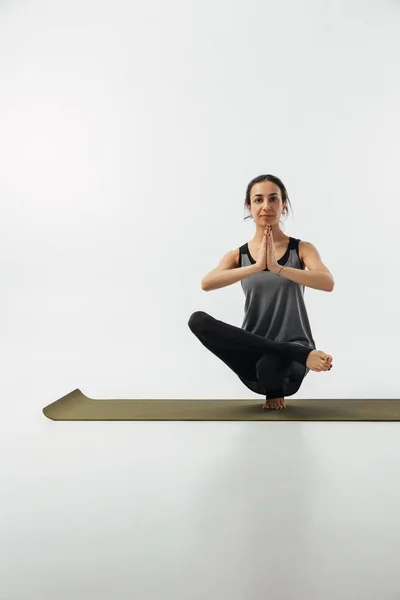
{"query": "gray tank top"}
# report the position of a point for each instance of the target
(274, 306)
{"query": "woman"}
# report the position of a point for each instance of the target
(274, 349)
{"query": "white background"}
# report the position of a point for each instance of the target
(128, 135)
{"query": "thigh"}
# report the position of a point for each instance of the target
(242, 362)
(223, 335)
(213, 335)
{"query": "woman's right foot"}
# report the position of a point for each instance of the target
(319, 361)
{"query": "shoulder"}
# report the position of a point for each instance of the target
(303, 247)
(311, 257)
(230, 260)
(236, 256)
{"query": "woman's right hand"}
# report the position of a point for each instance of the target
(261, 261)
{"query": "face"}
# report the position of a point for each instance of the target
(266, 203)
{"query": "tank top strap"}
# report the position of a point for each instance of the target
(294, 245)
(242, 251)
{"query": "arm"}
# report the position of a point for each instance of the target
(317, 277)
(227, 272)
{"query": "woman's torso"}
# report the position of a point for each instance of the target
(274, 305)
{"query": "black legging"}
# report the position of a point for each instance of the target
(252, 356)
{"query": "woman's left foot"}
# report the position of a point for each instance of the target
(274, 404)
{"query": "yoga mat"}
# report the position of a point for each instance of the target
(75, 406)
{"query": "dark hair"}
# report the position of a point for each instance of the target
(259, 179)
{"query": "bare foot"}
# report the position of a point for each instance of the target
(274, 404)
(319, 361)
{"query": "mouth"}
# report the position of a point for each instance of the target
(266, 216)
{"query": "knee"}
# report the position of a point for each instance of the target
(197, 321)
(269, 370)
(269, 363)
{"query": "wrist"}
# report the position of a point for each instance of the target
(257, 268)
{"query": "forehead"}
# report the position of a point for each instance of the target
(265, 188)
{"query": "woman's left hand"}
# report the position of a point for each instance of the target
(272, 263)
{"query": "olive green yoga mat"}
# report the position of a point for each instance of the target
(78, 407)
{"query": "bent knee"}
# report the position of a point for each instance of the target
(198, 320)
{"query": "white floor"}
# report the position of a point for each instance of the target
(193, 511)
